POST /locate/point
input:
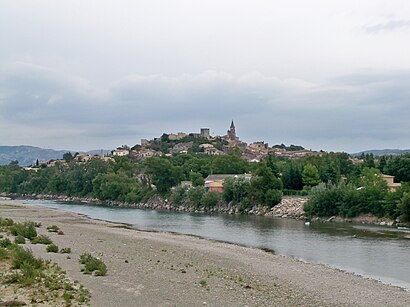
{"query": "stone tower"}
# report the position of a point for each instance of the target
(231, 132)
(205, 133)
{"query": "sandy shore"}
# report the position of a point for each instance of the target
(162, 269)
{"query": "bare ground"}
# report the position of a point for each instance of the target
(162, 269)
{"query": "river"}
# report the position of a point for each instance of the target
(367, 251)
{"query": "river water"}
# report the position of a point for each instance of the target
(367, 251)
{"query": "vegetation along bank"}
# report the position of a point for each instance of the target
(335, 184)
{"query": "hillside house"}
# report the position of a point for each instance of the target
(391, 185)
(215, 183)
(121, 152)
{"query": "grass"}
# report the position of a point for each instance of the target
(19, 240)
(93, 265)
(203, 283)
(44, 281)
(6, 243)
(4, 254)
(53, 228)
(65, 250)
(52, 248)
(26, 229)
(41, 239)
(6, 222)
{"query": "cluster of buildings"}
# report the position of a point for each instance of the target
(209, 145)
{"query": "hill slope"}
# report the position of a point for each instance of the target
(27, 155)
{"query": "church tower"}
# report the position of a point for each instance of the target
(232, 132)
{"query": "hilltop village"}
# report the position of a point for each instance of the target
(204, 143)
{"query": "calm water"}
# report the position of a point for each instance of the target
(359, 250)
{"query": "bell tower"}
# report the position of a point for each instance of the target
(232, 132)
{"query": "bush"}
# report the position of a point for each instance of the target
(19, 240)
(209, 199)
(21, 256)
(4, 254)
(326, 199)
(273, 197)
(53, 228)
(195, 195)
(41, 239)
(52, 248)
(177, 195)
(26, 229)
(6, 222)
(404, 208)
(93, 264)
(65, 250)
(6, 243)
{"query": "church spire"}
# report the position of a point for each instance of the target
(232, 132)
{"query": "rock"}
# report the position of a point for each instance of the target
(330, 218)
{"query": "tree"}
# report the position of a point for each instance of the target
(265, 187)
(369, 161)
(292, 175)
(235, 189)
(197, 179)
(68, 156)
(229, 164)
(272, 165)
(310, 175)
(404, 208)
(399, 167)
(163, 174)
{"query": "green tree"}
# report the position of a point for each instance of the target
(404, 208)
(369, 161)
(310, 175)
(262, 185)
(68, 156)
(197, 179)
(163, 174)
(229, 164)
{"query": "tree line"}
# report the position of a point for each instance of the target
(336, 186)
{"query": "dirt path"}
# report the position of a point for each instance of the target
(161, 269)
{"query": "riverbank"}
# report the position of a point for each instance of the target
(152, 269)
(289, 207)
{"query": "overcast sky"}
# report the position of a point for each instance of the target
(324, 74)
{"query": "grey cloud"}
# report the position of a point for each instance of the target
(391, 25)
(370, 105)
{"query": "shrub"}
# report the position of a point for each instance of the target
(53, 228)
(19, 240)
(93, 264)
(209, 199)
(26, 229)
(195, 195)
(41, 239)
(6, 243)
(177, 195)
(65, 250)
(21, 255)
(52, 248)
(29, 273)
(6, 222)
(273, 197)
(4, 254)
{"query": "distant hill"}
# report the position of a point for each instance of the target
(382, 152)
(27, 155)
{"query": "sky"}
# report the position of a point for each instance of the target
(329, 75)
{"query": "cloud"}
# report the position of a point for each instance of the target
(391, 25)
(67, 111)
